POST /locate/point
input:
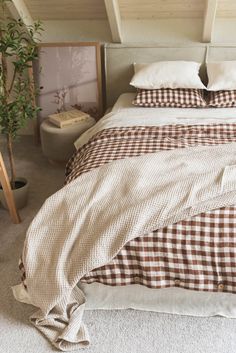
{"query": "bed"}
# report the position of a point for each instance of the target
(101, 291)
(122, 234)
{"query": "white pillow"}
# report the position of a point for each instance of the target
(221, 75)
(167, 74)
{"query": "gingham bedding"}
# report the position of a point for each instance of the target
(198, 253)
(167, 97)
(222, 99)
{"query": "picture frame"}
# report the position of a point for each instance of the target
(69, 77)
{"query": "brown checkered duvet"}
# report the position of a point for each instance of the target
(198, 253)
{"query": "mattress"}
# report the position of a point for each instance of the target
(170, 300)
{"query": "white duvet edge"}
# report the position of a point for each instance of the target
(167, 300)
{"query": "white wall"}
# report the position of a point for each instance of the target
(70, 31)
(225, 30)
(161, 30)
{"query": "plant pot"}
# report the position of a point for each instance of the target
(20, 194)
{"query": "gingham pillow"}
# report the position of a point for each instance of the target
(222, 99)
(173, 98)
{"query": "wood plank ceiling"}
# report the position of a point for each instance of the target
(151, 9)
(226, 9)
(67, 9)
(129, 9)
(117, 10)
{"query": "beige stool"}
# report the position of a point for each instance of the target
(57, 143)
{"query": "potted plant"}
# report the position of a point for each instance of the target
(18, 48)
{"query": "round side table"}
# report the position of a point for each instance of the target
(58, 143)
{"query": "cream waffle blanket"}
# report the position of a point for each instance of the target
(85, 224)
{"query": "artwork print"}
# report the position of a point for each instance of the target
(68, 78)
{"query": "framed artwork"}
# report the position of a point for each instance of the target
(69, 77)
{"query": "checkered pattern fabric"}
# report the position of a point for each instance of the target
(166, 97)
(222, 99)
(198, 253)
(119, 143)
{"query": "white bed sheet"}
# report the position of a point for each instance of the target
(125, 102)
(168, 300)
(125, 114)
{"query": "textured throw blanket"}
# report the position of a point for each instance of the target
(85, 224)
(197, 253)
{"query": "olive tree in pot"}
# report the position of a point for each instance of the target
(18, 48)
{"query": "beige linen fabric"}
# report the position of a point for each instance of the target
(85, 224)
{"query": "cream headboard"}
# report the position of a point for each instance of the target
(119, 59)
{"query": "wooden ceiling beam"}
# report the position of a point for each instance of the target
(114, 18)
(18, 9)
(209, 20)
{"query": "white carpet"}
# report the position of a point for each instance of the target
(111, 331)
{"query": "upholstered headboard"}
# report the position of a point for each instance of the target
(119, 59)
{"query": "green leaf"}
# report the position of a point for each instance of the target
(19, 44)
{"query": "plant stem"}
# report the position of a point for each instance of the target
(11, 160)
(4, 70)
(9, 137)
(12, 82)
